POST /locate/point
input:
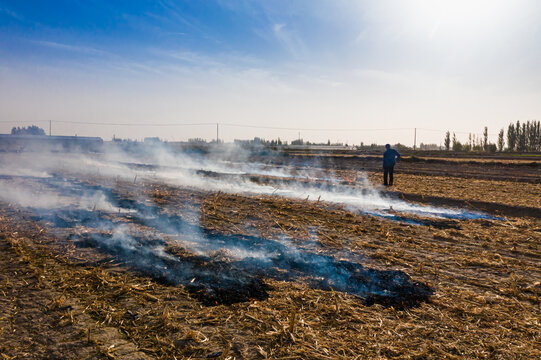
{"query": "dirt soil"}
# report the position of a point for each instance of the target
(494, 169)
(63, 297)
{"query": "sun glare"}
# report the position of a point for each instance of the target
(459, 17)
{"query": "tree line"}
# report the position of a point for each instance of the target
(28, 130)
(521, 137)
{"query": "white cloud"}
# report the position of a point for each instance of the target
(290, 40)
(11, 13)
(72, 48)
(278, 27)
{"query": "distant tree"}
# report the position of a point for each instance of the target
(511, 138)
(447, 141)
(518, 129)
(537, 130)
(501, 141)
(477, 143)
(30, 130)
(400, 147)
(532, 136)
(538, 146)
(522, 137)
(485, 139)
(457, 146)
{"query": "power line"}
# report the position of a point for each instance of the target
(101, 123)
(456, 132)
(130, 124)
(95, 123)
(308, 129)
(206, 124)
(22, 121)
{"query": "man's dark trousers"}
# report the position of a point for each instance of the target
(388, 171)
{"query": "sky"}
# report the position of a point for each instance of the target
(347, 71)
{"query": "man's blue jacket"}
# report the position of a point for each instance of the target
(389, 157)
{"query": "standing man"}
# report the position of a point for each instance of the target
(390, 156)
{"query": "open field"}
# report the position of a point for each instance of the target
(506, 168)
(290, 258)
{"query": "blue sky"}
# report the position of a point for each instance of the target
(458, 65)
(163, 32)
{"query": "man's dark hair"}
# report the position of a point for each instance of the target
(387, 146)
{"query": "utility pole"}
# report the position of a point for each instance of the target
(50, 121)
(414, 138)
(217, 138)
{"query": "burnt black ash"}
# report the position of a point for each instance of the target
(214, 281)
(211, 282)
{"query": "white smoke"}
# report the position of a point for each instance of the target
(159, 164)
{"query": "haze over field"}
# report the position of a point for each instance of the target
(433, 65)
(187, 170)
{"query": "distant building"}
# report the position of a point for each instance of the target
(20, 143)
(152, 140)
(319, 147)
